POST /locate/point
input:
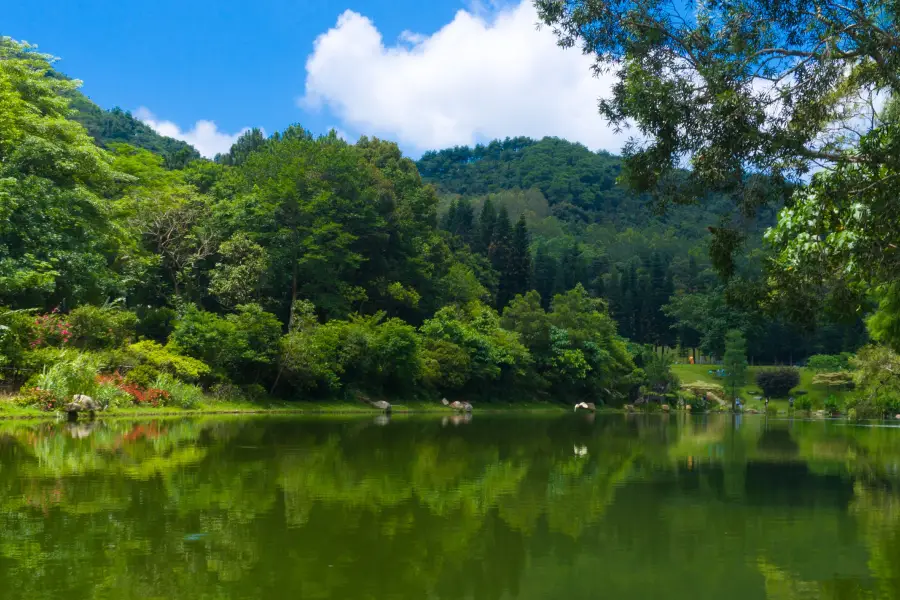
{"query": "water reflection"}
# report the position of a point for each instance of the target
(667, 506)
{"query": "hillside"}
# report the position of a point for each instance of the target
(651, 266)
(119, 126)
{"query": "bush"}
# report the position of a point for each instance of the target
(832, 404)
(829, 362)
(841, 380)
(36, 397)
(165, 358)
(778, 383)
(71, 374)
(177, 393)
(110, 395)
(804, 404)
(156, 323)
(237, 345)
(142, 375)
(95, 328)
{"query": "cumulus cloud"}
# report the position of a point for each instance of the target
(204, 135)
(477, 78)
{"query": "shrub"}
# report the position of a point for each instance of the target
(165, 358)
(95, 328)
(142, 375)
(109, 395)
(804, 404)
(141, 396)
(829, 362)
(39, 398)
(178, 393)
(832, 404)
(17, 331)
(73, 373)
(156, 323)
(841, 380)
(51, 330)
(777, 383)
(236, 345)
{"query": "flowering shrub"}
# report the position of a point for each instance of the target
(52, 329)
(149, 396)
(41, 399)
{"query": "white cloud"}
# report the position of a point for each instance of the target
(477, 78)
(204, 136)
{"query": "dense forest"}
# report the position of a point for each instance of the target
(307, 267)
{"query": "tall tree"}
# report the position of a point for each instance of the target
(486, 221)
(519, 270)
(545, 268)
(740, 88)
(735, 362)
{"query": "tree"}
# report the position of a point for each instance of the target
(238, 278)
(519, 269)
(58, 241)
(778, 382)
(735, 361)
(740, 89)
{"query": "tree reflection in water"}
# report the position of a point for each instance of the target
(449, 507)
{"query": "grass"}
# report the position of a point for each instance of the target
(816, 393)
(210, 405)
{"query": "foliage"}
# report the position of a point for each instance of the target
(166, 358)
(98, 328)
(236, 345)
(239, 277)
(58, 239)
(829, 362)
(804, 403)
(778, 382)
(73, 373)
(178, 393)
(735, 360)
(740, 89)
(877, 381)
(838, 379)
(657, 368)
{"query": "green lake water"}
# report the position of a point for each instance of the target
(505, 506)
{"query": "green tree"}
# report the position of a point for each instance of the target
(735, 361)
(59, 244)
(739, 88)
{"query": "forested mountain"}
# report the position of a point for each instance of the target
(651, 263)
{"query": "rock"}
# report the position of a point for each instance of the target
(687, 407)
(586, 406)
(81, 403)
(382, 405)
(629, 407)
(665, 407)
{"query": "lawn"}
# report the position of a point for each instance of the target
(748, 392)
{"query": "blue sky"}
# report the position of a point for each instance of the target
(424, 73)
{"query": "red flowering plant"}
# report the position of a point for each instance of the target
(146, 396)
(51, 329)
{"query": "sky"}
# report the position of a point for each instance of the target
(427, 74)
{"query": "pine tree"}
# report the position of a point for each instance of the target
(486, 222)
(545, 268)
(465, 220)
(500, 255)
(520, 259)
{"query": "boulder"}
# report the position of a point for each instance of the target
(665, 407)
(81, 403)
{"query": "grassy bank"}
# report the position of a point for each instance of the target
(747, 393)
(10, 410)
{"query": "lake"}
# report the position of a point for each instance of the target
(496, 506)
